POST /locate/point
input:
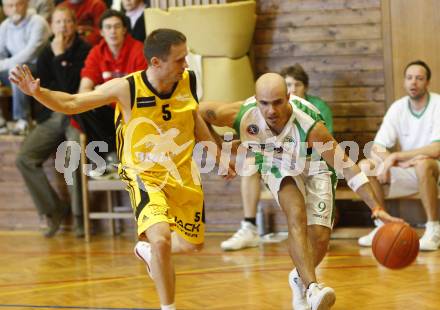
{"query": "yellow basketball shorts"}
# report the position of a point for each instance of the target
(157, 197)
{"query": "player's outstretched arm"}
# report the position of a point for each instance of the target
(203, 135)
(65, 102)
(335, 156)
(220, 113)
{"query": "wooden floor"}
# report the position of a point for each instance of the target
(66, 273)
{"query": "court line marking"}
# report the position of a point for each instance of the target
(97, 281)
(54, 287)
(70, 307)
(221, 269)
(128, 253)
(56, 282)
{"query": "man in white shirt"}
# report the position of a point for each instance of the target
(414, 123)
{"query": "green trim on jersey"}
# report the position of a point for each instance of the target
(420, 114)
(276, 172)
(310, 129)
(305, 135)
(334, 179)
(316, 116)
(302, 133)
(260, 161)
(243, 109)
(302, 137)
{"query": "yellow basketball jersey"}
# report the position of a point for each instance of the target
(159, 136)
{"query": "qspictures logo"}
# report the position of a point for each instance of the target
(161, 146)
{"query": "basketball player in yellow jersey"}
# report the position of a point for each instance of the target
(157, 123)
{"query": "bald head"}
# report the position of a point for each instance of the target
(270, 86)
(273, 100)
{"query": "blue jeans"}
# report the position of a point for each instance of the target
(21, 103)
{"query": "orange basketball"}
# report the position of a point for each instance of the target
(395, 245)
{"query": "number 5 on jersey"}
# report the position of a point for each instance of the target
(166, 114)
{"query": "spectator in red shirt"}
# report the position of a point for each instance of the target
(118, 54)
(88, 14)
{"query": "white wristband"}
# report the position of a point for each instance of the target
(357, 181)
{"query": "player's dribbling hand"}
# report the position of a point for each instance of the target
(231, 174)
(22, 77)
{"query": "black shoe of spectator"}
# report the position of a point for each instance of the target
(78, 226)
(54, 221)
(79, 232)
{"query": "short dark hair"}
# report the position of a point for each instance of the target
(159, 42)
(297, 72)
(419, 63)
(113, 13)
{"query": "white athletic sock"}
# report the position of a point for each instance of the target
(432, 224)
(378, 223)
(168, 307)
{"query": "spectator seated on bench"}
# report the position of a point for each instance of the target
(413, 123)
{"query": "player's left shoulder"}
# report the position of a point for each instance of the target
(434, 98)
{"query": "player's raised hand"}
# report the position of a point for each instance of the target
(22, 77)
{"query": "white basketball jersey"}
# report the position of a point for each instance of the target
(283, 154)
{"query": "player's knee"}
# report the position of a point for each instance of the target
(322, 241)
(161, 245)
(295, 225)
(320, 235)
(426, 167)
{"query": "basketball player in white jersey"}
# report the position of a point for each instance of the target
(278, 131)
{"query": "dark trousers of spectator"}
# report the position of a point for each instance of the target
(41, 142)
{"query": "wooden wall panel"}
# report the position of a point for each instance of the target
(340, 44)
(328, 63)
(346, 78)
(320, 18)
(372, 108)
(414, 35)
(340, 47)
(317, 33)
(288, 6)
